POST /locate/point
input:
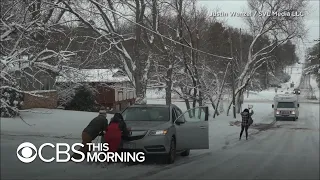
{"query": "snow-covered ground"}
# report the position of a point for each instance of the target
(48, 122)
(157, 93)
(62, 126)
(69, 124)
(222, 137)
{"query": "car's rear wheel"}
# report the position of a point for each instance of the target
(185, 153)
(172, 153)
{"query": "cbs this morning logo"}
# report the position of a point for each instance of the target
(99, 153)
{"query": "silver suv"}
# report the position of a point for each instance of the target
(166, 130)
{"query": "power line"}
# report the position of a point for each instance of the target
(229, 58)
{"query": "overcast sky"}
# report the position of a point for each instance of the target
(312, 23)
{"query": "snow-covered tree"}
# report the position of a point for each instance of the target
(313, 61)
(25, 30)
(279, 23)
(110, 17)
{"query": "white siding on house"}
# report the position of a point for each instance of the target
(131, 94)
(116, 95)
(125, 91)
(120, 96)
(122, 92)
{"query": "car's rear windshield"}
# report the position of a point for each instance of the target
(146, 114)
(286, 105)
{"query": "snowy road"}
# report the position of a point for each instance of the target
(288, 150)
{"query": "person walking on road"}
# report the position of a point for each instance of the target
(246, 116)
(92, 131)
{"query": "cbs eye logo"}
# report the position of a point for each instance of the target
(26, 149)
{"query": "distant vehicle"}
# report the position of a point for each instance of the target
(286, 106)
(166, 130)
(296, 91)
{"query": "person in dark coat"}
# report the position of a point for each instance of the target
(92, 131)
(245, 115)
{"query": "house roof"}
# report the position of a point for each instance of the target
(93, 75)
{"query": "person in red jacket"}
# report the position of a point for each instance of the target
(115, 132)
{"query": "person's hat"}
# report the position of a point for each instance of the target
(102, 110)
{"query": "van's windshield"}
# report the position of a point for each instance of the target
(286, 105)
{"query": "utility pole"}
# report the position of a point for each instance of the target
(232, 74)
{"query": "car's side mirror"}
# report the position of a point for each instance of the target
(179, 121)
(272, 106)
(298, 105)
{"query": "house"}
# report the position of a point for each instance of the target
(37, 84)
(29, 77)
(114, 88)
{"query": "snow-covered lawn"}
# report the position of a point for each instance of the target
(69, 124)
(49, 122)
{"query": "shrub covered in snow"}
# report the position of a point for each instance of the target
(11, 102)
(66, 93)
(83, 99)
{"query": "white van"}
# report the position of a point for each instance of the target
(286, 106)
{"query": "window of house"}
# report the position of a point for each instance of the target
(45, 80)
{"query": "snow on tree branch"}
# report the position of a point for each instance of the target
(24, 53)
